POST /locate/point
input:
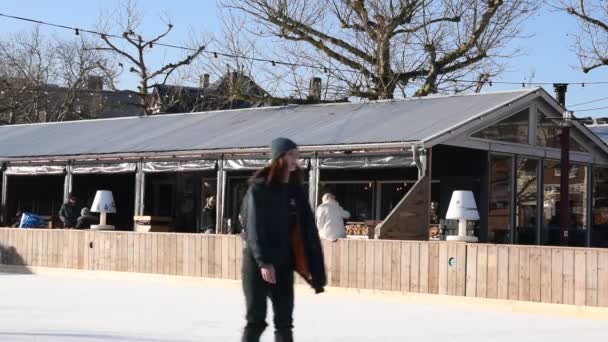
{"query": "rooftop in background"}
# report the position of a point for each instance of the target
(409, 120)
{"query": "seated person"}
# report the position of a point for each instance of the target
(85, 219)
(209, 216)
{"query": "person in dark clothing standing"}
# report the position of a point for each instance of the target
(280, 237)
(70, 211)
(209, 216)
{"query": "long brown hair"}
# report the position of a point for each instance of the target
(273, 174)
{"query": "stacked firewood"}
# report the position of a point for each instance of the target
(356, 229)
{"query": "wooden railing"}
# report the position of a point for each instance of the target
(528, 273)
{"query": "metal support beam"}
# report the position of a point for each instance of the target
(589, 199)
(139, 189)
(3, 199)
(221, 191)
(313, 182)
(564, 191)
(68, 182)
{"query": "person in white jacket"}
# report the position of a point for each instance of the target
(330, 219)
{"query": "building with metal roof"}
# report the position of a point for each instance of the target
(389, 162)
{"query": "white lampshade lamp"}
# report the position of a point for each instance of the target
(103, 204)
(462, 208)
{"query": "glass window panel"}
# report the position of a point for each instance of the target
(513, 129)
(599, 229)
(391, 195)
(526, 197)
(499, 212)
(357, 198)
(577, 227)
(549, 131)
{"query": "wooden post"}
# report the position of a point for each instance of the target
(315, 90)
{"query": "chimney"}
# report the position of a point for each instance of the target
(95, 82)
(314, 92)
(203, 81)
(560, 92)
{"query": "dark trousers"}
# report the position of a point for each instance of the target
(257, 292)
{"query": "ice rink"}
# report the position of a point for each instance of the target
(85, 307)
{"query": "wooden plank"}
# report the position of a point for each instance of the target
(217, 258)
(225, 256)
(361, 264)
(369, 264)
(343, 262)
(45, 247)
(513, 291)
(568, 276)
(86, 250)
(125, 251)
(130, 251)
(415, 267)
(452, 272)
(602, 278)
(591, 273)
(179, 254)
(434, 268)
(395, 265)
(335, 264)
(326, 245)
(195, 249)
(492, 283)
(154, 253)
(579, 276)
(461, 266)
(239, 257)
(186, 253)
(136, 246)
(503, 272)
(67, 239)
(174, 254)
(471, 281)
(481, 287)
(545, 275)
(524, 274)
(232, 257)
(144, 253)
(386, 265)
(149, 260)
(114, 255)
(211, 256)
(557, 276)
(423, 286)
(352, 263)
(205, 271)
(36, 247)
(535, 274)
(162, 251)
(81, 250)
(378, 249)
(443, 268)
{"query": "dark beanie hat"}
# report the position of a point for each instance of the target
(280, 146)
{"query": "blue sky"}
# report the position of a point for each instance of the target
(547, 53)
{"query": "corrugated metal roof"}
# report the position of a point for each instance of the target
(352, 123)
(601, 131)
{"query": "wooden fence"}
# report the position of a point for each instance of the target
(528, 273)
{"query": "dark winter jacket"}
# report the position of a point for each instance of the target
(268, 233)
(69, 213)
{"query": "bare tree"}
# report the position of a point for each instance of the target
(129, 19)
(45, 80)
(592, 40)
(379, 46)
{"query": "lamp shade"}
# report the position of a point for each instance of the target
(462, 206)
(103, 202)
